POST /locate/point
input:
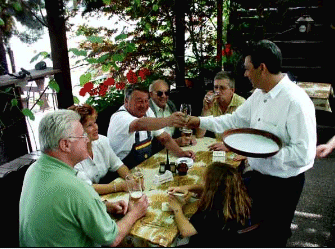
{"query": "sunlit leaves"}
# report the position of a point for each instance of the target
(107, 2)
(85, 78)
(131, 47)
(76, 100)
(118, 57)
(95, 39)
(103, 58)
(106, 67)
(78, 52)
(28, 113)
(2, 23)
(121, 37)
(40, 54)
(40, 103)
(54, 85)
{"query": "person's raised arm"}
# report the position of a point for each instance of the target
(206, 111)
(176, 119)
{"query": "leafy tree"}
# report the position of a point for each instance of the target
(25, 12)
(152, 42)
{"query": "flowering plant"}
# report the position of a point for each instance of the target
(110, 92)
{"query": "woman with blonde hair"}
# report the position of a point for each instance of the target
(102, 159)
(223, 210)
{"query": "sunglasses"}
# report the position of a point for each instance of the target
(160, 93)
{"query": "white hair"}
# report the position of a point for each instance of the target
(55, 126)
(154, 83)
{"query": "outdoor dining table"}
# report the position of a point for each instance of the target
(157, 227)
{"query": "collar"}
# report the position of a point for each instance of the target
(234, 101)
(157, 108)
(52, 162)
(276, 90)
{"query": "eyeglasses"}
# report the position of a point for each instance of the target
(222, 88)
(83, 136)
(160, 93)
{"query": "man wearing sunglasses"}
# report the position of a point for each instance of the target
(163, 107)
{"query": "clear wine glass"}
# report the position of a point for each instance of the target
(186, 108)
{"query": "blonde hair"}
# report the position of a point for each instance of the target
(225, 193)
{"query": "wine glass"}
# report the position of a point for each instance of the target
(186, 108)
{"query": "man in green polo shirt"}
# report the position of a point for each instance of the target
(57, 209)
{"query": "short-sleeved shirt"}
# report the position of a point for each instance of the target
(104, 160)
(215, 111)
(57, 209)
(120, 139)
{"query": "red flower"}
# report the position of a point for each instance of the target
(120, 85)
(227, 50)
(102, 89)
(132, 78)
(143, 73)
(82, 92)
(109, 82)
(87, 88)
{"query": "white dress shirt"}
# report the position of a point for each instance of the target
(118, 134)
(163, 113)
(285, 111)
(104, 160)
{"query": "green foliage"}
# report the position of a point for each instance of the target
(85, 78)
(152, 42)
(54, 85)
(43, 54)
(27, 112)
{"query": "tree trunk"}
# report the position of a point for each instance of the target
(180, 44)
(59, 51)
(219, 34)
(3, 59)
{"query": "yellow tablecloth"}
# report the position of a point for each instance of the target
(158, 227)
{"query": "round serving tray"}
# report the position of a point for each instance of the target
(252, 142)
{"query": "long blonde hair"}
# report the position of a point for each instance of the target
(225, 193)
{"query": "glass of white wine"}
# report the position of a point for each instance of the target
(187, 110)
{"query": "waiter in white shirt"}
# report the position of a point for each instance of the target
(133, 126)
(281, 107)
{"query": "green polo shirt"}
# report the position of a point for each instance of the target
(57, 209)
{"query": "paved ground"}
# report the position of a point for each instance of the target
(313, 222)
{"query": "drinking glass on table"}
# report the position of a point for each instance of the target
(139, 174)
(134, 185)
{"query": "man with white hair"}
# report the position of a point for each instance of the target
(57, 209)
